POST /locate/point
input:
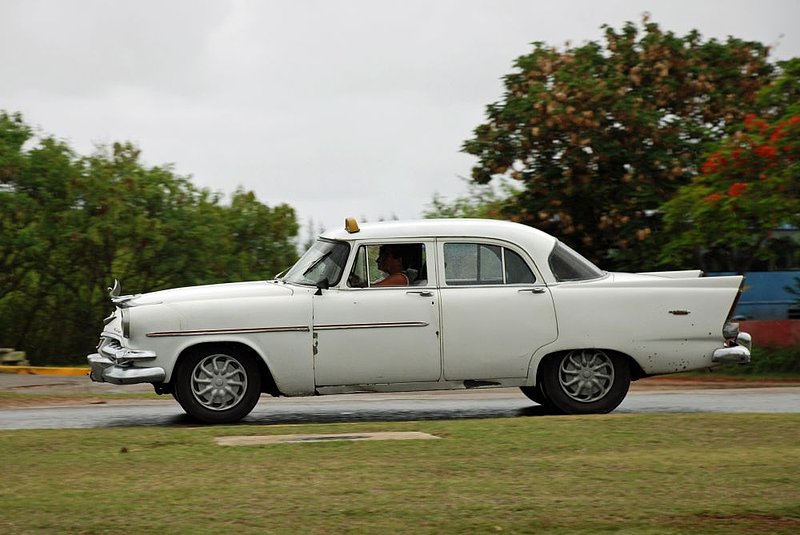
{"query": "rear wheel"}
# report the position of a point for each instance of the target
(218, 385)
(586, 381)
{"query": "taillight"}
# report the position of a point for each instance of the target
(735, 301)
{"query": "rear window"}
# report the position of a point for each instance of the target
(567, 265)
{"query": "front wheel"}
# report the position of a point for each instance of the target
(586, 381)
(218, 386)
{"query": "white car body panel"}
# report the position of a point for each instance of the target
(670, 331)
(273, 320)
(685, 274)
(491, 332)
(376, 336)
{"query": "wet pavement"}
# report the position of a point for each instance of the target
(489, 403)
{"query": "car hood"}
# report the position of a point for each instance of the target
(211, 292)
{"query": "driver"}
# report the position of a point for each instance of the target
(390, 261)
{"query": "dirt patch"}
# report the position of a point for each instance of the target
(45, 401)
(741, 523)
(696, 383)
(257, 440)
(38, 401)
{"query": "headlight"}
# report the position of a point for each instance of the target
(126, 323)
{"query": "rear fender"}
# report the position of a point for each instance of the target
(665, 324)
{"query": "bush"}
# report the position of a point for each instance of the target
(768, 361)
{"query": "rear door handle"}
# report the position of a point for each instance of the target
(537, 290)
(421, 293)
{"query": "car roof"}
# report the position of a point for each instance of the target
(525, 236)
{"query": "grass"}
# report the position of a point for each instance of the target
(692, 473)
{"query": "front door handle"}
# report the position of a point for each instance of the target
(421, 293)
(537, 290)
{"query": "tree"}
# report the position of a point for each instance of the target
(15, 243)
(262, 238)
(600, 135)
(748, 187)
(482, 201)
(69, 225)
(312, 232)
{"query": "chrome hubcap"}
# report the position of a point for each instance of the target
(219, 382)
(586, 375)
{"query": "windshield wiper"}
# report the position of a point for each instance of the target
(316, 262)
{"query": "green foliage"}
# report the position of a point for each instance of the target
(749, 186)
(782, 96)
(482, 201)
(600, 135)
(768, 361)
(69, 225)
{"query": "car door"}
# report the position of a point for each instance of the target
(495, 310)
(377, 335)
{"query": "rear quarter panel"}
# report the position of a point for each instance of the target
(666, 324)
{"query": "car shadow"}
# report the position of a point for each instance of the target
(324, 415)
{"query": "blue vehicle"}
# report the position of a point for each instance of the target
(768, 295)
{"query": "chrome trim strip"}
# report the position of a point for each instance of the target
(377, 325)
(252, 330)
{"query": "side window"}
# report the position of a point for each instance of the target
(517, 271)
(567, 265)
(472, 263)
(468, 264)
(360, 270)
(389, 264)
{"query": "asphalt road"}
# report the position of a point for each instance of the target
(497, 403)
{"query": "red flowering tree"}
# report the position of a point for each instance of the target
(748, 187)
(596, 137)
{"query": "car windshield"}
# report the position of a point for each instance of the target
(324, 260)
(567, 265)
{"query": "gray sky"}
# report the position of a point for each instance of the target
(337, 108)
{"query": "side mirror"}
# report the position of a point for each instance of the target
(324, 284)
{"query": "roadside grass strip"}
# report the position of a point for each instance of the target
(622, 473)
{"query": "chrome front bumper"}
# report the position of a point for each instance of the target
(736, 351)
(104, 370)
(114, 363)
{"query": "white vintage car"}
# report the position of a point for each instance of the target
(477, 303)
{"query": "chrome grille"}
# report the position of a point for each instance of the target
(113, 349)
